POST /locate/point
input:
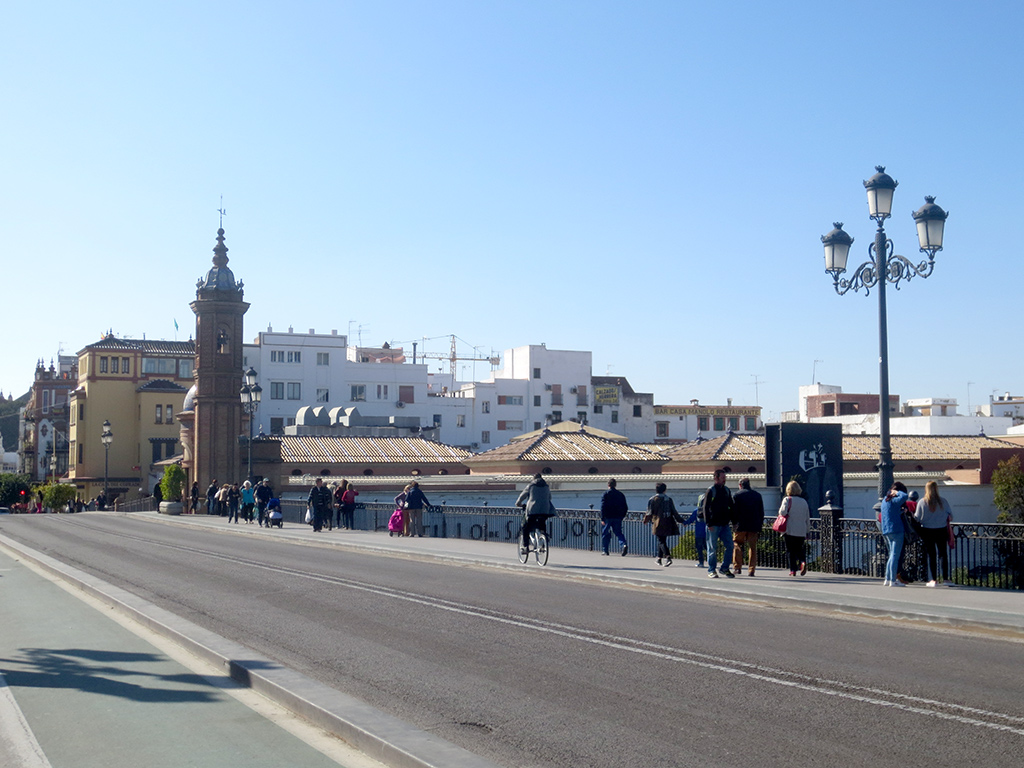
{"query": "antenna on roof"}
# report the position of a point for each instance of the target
(222, 212)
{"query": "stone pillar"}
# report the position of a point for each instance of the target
(831, 535)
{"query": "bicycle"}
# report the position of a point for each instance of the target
(538, 545)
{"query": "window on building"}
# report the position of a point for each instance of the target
(734, 423)
(702, 423)
(598, 409)
(437, 419)
(172, 448)
(323, 358)
(513, 426)
(322, 395)
(126, 366)
(294, 390)
(290, 421)
(81, 453)
(157, 453)
(277, 390)
(556, 394)
(850, 409)
(750, 423)
(661, 429)
(294, 356)
(223, 342)
(46, 401)
(828, 409)
(485, 436)
(168, 414)
(406, 393)
(556, 417)
(460, 420)
(510, 399)
(537, 425)
(81, 410)
(184, 368)
(276, 425)
(161, 365)
(485, 406)
(159, 414)
(719, 424)
(115, 365)
(581, 395)
(536, 400)
(103, 365)
(638, 411)
(358, 393)
(382, 391)
(277, 355)
(536, 373)
(581, 417)
(615, 417)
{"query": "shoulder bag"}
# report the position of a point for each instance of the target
(779, 526)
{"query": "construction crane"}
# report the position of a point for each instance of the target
(453, 357)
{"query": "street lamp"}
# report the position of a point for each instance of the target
(884, 266)
(53, 465)
(250, 394)
(107, 436)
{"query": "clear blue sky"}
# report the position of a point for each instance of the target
(648, 181)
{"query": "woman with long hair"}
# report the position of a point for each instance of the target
(934, 514)
(798, 515)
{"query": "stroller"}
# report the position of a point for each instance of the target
(274, 515)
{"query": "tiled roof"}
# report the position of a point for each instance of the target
(855, 448)
(567, 446)
(161, 385)
(573, 427)
(328, 449)
(726, 448)
(144, 345)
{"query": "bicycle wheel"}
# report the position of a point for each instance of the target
(524, 553)
(540, 543)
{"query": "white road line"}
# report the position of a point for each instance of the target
(18, 745)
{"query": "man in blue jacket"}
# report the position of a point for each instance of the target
(415, 501)
(613, 510)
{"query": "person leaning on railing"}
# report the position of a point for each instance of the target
(934, 514)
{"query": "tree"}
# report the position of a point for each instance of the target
(173, 483)
(1008, 490)
(13, 489)
(57, 495)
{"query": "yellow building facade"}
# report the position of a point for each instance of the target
(138, 386)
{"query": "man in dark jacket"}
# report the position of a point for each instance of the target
(613, 510)
(748, 516)
(718, 512)
(263, 494)
(415, 501)
(319, 501)
(211, 496)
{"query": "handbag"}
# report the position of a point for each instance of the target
(309, 515)
(781, 521)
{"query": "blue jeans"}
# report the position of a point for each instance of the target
(718, 533)
(895, 542)
(609, 527)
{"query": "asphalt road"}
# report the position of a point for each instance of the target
(535, 671)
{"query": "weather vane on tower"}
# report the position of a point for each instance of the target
(222, 212)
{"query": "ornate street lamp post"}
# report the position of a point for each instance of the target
(884, 266)
(250, 394)
(107, 436)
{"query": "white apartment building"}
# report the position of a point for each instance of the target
(533, 387)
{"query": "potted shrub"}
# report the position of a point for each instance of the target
(172, 486)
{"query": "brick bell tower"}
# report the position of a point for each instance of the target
(218, 374)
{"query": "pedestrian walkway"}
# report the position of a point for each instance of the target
(964, 608)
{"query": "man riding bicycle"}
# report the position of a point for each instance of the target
(536, 499)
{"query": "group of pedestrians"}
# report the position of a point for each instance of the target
(331, 506)
(902, 515)
(240, 502)
(407, 519)
(721, 519)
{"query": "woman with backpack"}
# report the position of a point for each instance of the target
(664, 520)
